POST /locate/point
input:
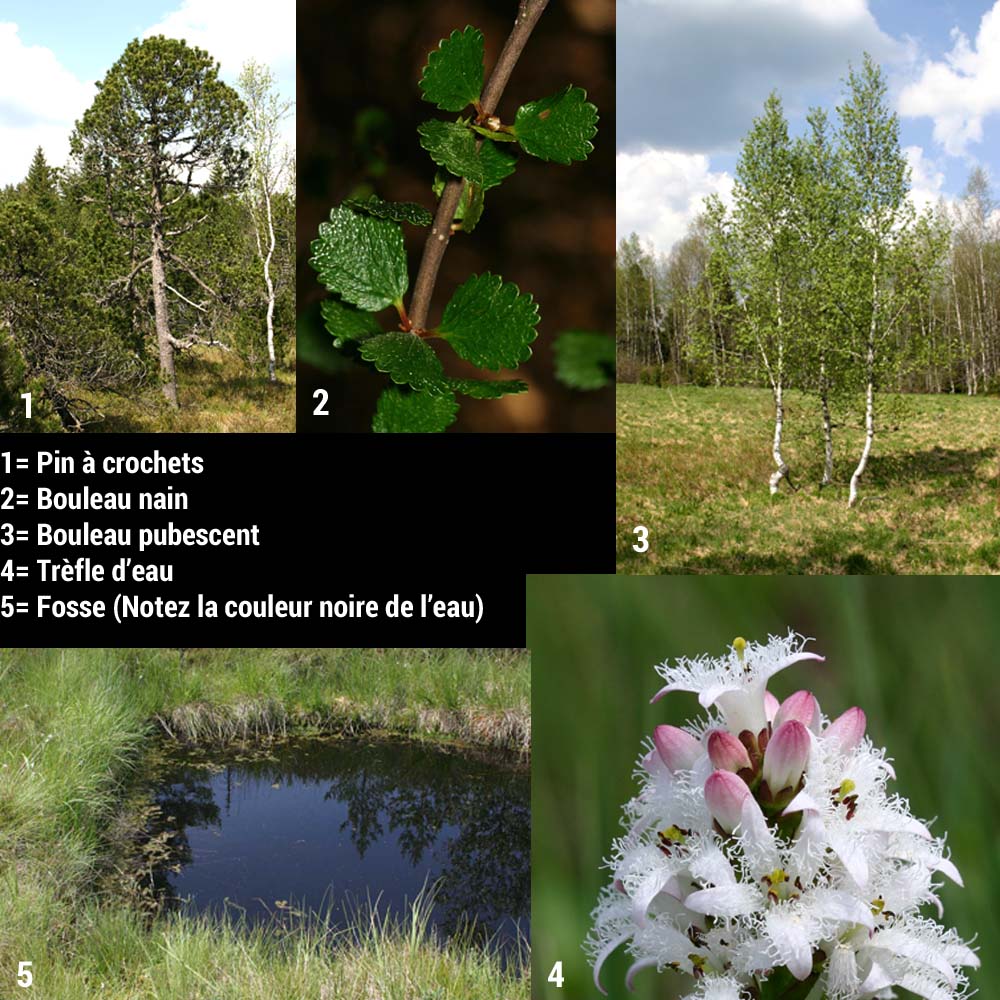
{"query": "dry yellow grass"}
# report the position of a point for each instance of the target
(693, 466)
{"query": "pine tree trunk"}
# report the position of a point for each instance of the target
(168, 377)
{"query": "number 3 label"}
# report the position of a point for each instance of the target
(643, 544)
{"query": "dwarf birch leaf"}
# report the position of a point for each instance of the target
(584, 360)
(394, 211)
(407, 360)
(470, 208)
(559, 127)
(479, 389)
(490, 323)
(398, 411)
(344, 322)
(361, 259)
(453, 76)
(453, 146)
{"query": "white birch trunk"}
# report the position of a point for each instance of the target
(779, 404)
(869, 388)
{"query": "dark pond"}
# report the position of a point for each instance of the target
(326, 825)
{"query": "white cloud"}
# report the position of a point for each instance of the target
(926, 178)
(234, 31)
(961, 91)
(660, 192)
(39, 102)
(691, 74)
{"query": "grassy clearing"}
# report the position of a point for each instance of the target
(216, 395)
(73, 726)
(693, 465)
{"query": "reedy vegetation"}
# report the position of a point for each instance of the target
(822, 277)
(73, 725)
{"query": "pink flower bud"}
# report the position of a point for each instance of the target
(800, 706)
(786, 756)
(677, 749)
(770, 706)
(726, 752)
(846, 731)
(724, 796)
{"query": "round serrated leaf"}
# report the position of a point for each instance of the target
(408, 411)
(454, 146)
(361, 259)
(490, 322)
(453, 76)
(479, 389)
(407, 360)
(344, 322)
(394, 211)
(557, 128)
(584, 360)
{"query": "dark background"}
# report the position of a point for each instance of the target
(549, 228)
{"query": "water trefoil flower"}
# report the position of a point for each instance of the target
(764, 857)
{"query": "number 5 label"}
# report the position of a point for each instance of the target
(24, 978)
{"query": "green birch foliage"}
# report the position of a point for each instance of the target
(875, 276)
(559, 127)
(399, 410)
(360, 255)
(453, 76)
(361, 259)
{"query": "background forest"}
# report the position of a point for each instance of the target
(144, 282)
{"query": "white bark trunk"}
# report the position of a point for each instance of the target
(271, 373)
(869, 388)
(779, 404)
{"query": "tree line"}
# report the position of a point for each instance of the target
(821, 276)
(170, 229)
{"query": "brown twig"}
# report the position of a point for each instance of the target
(529, 11)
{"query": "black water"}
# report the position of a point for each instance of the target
(327, 825)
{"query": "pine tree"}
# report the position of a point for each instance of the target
(160, 119)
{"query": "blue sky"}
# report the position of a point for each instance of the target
(52, 52)
(693, 73)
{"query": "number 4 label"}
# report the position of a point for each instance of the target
(556, 976)
(24, 974)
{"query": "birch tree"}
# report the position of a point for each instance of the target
(876, 184)
(821, 228)
(161, 120)
(269, 166)
(765, 257)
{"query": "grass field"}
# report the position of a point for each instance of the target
(74, 725)
(693, 466)
(216, 394)
(918, 654)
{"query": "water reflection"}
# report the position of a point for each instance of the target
(332, 823)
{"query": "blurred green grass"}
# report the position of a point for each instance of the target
(919, 655)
